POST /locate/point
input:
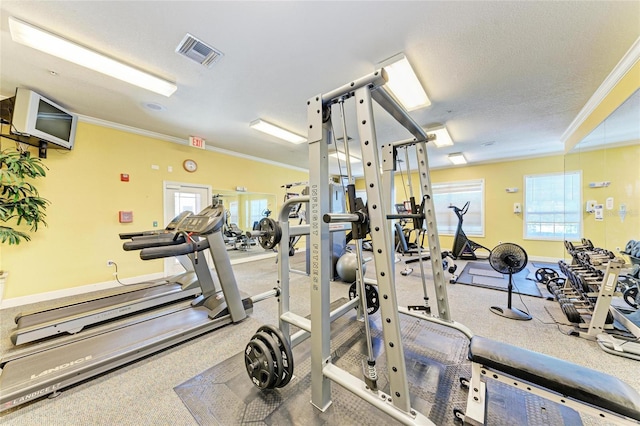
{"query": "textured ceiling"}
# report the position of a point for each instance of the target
(514, 74)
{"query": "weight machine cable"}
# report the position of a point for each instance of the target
(420, 231)
(404, 185)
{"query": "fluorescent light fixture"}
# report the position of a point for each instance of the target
(34, 37)
(342, 157)
(404, 84)
(457, 158)
(278, 132)
(442, 136)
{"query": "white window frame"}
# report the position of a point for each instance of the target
(256, 208)
(442, 188)
(527, 213)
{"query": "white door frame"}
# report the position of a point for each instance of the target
(169, 263)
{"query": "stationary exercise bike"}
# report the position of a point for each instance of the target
(463, 247)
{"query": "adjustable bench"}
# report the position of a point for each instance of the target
(563, 382)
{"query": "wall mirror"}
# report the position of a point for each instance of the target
(244, 210)
(608, 160)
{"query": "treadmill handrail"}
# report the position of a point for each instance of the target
(168, 239)
(173, 250)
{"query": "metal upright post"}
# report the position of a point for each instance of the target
(284, 299)
(389, 153)
(319, 135)
(439, 281)
(383, 258)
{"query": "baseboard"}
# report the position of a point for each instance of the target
(253, 258)
(74, 291)
(543, 259)
(106, 285)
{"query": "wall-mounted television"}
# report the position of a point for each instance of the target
(37, 116)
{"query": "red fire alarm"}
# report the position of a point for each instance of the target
(124, 177)
(125, 217)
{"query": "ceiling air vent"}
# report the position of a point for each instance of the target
(198, 51)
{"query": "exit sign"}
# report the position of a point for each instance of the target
(196, 142)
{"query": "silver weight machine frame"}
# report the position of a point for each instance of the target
(379, 190)
(379, 185)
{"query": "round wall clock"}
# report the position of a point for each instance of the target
(190, 166)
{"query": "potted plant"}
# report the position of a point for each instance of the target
(20, 202)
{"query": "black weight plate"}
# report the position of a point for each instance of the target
(624, 281)
(285, 351)
(630, 296)
(545, 274)
(559, 281)
(274, 349)
(373, 302)
(272, 233)
(259, 364)
(571, 313)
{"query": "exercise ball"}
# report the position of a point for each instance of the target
(347, 267)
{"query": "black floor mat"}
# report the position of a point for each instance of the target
(482, 275)
(436, 358)
(551, 265)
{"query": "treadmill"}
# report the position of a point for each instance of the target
(71, 319)
(50, 367)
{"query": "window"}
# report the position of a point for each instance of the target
(256, 211)
(186, 201)
(458, 194)
(234, 217)
(552, 206)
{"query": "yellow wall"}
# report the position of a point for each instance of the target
(500, 223)
(618, 165)
(86, 194)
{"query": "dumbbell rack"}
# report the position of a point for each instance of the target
(600, 314)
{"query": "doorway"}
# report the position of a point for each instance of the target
(180, 197)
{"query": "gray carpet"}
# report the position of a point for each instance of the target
(481, 274)
(143, 392)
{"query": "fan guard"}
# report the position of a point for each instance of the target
(508, 258)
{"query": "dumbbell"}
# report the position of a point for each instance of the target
(574, 313)
(587, 243)
(631, 245)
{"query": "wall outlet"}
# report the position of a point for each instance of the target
(110, 263)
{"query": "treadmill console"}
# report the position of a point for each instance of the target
(208, 221)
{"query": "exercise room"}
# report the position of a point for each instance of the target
(320, 213)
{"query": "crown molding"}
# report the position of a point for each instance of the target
(620, 70)
(173, 139)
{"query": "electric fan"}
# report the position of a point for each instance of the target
(509, 258)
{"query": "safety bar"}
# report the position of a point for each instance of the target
(405, 216)
(344, 217)
(386, 101)
(377, 78)
(266, 295)
(302, 335)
